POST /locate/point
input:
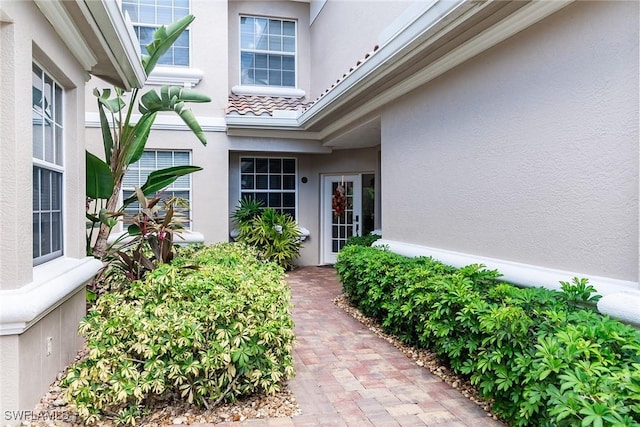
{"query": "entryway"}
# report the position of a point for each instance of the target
(347, 210)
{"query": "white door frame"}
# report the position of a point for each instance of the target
(327, 256)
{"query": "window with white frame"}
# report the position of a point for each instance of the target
(148, 15)
(150, 161)
(267, 52)
(271, 181)
(48, 167)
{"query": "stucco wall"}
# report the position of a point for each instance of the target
(528, 152)
(343, 32)
(311, 166)
(27, 367)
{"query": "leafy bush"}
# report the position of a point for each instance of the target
(276, 236)
(366, 240)
(210, 326)
(544, 357)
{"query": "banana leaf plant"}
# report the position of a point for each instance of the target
(124, 140)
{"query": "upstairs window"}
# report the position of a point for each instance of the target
(267, 52)
(47, 131)
(148, 15)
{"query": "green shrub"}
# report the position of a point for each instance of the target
(276, 236)
(543, 357)
(211, 326)
(366, 240)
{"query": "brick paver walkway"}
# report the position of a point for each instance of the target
(347, 376)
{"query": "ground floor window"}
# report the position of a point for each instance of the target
(150, 161)
(48, 168)
(271, 181)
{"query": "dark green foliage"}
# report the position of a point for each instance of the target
(276, 236)
(211, 326)
(366, 240)
(545, 358)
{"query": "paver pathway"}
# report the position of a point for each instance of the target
(347, 376)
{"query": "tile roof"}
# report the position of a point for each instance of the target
(260, 105)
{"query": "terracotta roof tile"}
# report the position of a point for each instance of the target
(262, 105)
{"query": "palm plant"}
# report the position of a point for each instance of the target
(124, 141)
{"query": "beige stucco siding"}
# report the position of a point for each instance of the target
(529, 152)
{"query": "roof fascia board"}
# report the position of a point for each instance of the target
(117, 38)
(63, 24)
(520, 20)
(269, 122)
(277, 133)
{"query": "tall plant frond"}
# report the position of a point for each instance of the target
(163, 38)
(173, 98)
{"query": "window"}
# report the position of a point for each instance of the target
(147, 15)
(150, 161)
(270, 180)
(47, 100)
(267, 52)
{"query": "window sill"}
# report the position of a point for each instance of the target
(175, 76)
(286, 92)
(53, 283)
(185, 237)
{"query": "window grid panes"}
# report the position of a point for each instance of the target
(148, 15)
(267, 51)
(150, 161)
(47, 140)
(271, 181)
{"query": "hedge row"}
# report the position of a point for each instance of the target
(544, 357)
(211, 326)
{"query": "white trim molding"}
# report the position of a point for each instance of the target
(176, 76)
(285, 92)
(620, 298)
(166, 122)
(53, 283)
(117, 38)
(57, 15)
(185, 237)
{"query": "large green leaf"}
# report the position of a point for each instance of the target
(163, 38)
(113, 105)
(173, 98)
(160, 179)
(99, 183)
(140, 135)
(169, 97)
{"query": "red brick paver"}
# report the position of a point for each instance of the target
(347, 376)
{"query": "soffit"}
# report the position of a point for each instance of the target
(99, 37)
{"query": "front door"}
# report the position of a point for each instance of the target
(341, 213)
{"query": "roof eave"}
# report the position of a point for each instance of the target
(117, 38)
(100, 39)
